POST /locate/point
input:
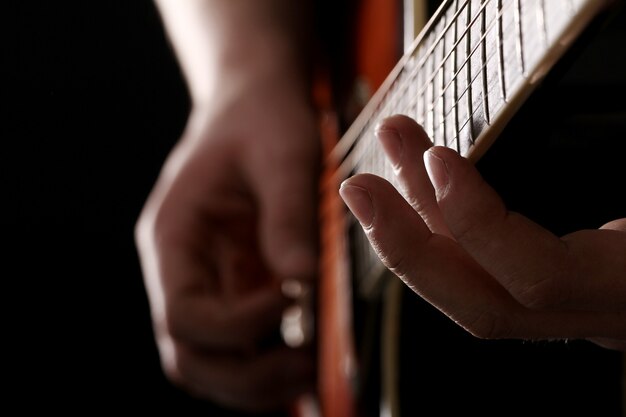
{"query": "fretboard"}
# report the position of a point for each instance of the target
(464, 77)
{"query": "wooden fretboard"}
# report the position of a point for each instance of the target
(463, 79)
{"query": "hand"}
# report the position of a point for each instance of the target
(232, 215)
(451, 239)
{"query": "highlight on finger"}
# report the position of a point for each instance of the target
(405, 143)
(432, 265)
(401, 137)
(442, 272)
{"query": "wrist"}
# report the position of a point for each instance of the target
(238, 41)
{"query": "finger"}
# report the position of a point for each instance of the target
(617, 224)
(266, 382)
(438, 269)
(598, 269)
(187, 300)
(191, 236)
(535, 266)
(432, 265)
(288, 219)
(405, 142)
(226, 324)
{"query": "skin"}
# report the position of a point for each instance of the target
(233, 212)
(451, 239)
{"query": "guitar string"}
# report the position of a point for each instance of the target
(467, 62)
(348, 140)
(428, 86)
(453, 83)
(421, 92)
(483, 58)
(408, 78)
(500, 49)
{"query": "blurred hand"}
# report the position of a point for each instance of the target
(232, 215)
(497, 274)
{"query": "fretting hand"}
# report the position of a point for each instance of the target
(497, 274)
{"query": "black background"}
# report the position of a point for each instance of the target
(92, 102)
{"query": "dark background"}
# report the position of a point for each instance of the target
(92, 101)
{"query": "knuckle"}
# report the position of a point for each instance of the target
(488, 325)
(393, 257)
(549, 290)
(543, 294)
(477, 225)
(470, 230)
(180, 324)
(144, 228)
(173, 324)
(173, 321)
(175, 363)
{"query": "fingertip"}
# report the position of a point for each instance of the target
(618, 224)
(391, 142)
(398, 122)
(359, 200)
(437, 170)
(444, 152)
(446, 167)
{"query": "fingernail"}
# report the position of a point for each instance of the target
(392, 144)
(359, 202)
(437, 171)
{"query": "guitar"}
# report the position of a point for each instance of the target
(465, 76)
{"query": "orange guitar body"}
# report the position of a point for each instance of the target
(376, 53)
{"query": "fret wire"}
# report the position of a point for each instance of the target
(467, 91)
(468, 71)
(466, 63)
(430, 88)
(427, 54)
(483, 57)
(441, 98)
(500, 42)
(469, 52)
(470, 112)
(412, 99)
(407, 99)
(455, 96)
(421, 99)
(404, 95)
(517, 16)
(430, 52)
(541, 22)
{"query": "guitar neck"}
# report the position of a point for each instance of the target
(464, 77)
(468, 72)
